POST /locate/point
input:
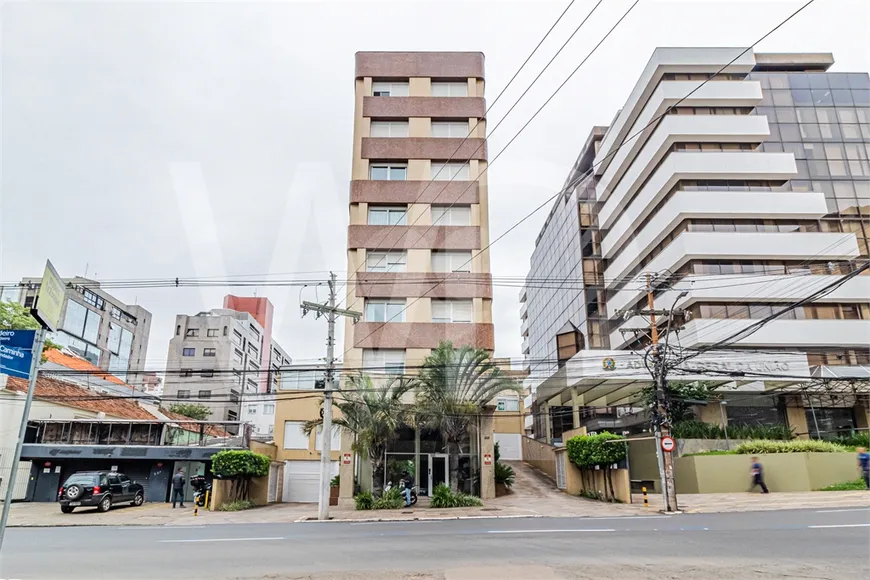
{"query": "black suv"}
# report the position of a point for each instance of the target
(98, 488)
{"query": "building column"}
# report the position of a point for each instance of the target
(862, 412)
(712, 413)
(575, 410)
(548, 427)
(487, 447)
(346, 471)
(796, 416)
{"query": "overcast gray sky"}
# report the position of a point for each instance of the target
(155, 140)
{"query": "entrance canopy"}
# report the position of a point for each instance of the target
(609, 378)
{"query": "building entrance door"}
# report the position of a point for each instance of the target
(438, 470)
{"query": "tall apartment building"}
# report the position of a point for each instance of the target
(97, 326)
(226, 360)
(753, 192)
(418, 117)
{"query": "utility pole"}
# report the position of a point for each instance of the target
(661, 424)
(331, 313)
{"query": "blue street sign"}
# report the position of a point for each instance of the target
(16, 352)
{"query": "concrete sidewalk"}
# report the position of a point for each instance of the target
(553, 504)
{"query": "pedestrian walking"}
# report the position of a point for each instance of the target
(757, 476)
(178, 487)
(864, 464)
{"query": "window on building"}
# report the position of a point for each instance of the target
(294, 435)
(388, 171)
(389, 129)
(268, 409)
(226, 330)
(192, 333)
(450, 171)
(386, 261)
(116, 313)
(209, 352)
(385, 310)
(188, 351)
(252, 385)
(178, 330)
(232, 416)
(457, 129)
(28, 302)
(252, 409)
(450, 89)
(184, 394)
(457, 215)
(238, 356)
(508, 404)
(186, 373)
(384, 361)
(94, 300)
(335, 441)
(206, 373)
(453, 261)
(388, 215)
(237, 337)
(390, 89)
(81, 321)
(204, 394)
(255, 331)
(253, 351)
(451, 310)
(212, 332)
(237, 377)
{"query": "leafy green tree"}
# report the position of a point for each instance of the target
(239, 467)
(193, 410)
(373, 414)
(678, 398)
(14, 316)
(455, 386)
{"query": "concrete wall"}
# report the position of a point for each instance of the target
(782, 472)
(540, 455)
(220, 492)
(578, 480)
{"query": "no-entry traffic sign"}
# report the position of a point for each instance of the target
(668, 444)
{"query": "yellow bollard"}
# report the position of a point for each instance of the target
(207, 504)
(645, 498)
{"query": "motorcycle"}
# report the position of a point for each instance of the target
(200, 487)
(402, 489)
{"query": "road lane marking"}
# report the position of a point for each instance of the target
(841, 526)
(629, 518)
(219, 540)
(843, 510)
(549, 531)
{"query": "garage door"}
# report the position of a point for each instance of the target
(510, 446)
(301, 480)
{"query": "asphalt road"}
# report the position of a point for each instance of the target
(804, 543)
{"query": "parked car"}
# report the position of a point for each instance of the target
(98, 488)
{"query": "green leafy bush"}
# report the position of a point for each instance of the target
(798, 446)
(334, 482)
(364, 500)
(699, 430)
(588, 494)
(857, 485)
(589, 451)
(237, 506)
(442, 497)
(856, 440)
(390, 500)
(504, 474)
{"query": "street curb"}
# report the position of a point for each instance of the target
(308, 520)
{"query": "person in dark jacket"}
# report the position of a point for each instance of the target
(758, 476)
(178, 487)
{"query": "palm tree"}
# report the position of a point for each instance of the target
(373, 414)
(454, 386)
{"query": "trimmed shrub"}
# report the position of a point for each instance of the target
(857, 485)
(591, 451)
(761, 447)
(364, 501)
(700, 430)
(442, 497)
(504, 474)
(390, 500)
(856, 440)
(239, 467)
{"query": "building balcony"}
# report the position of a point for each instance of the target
(413, 237)
(703, 165)
(779, 333)
(732, 246)
(422, 334)
(670, 60)
(668, 93)
(428, 284)
(402, 192)
(403, 148)
(684, 205)
(432, 107)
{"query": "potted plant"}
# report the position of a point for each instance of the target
(333, 491)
